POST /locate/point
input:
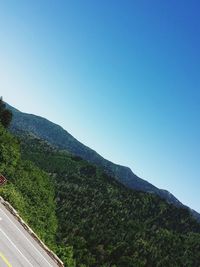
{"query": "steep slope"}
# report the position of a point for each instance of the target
(60, 138)
(32, 193)
(108, 224)
(29, 189)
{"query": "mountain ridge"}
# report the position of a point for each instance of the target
(108, 224)
(62, 139)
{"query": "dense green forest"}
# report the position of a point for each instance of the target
(63, 140)
(31, 191)
(93, 220)
(107, 224)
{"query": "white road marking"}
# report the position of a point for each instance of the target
(16, 247)
(0, 219)
(26, 238)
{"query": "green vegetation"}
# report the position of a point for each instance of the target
(93, 220)
(58, 137)
(28, 189)
(31, 192)
(108, 224)
(5, 114)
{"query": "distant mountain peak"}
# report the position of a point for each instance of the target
(61, 139)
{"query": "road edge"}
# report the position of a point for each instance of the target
(10, 208)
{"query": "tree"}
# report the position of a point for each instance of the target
(5, 114)
(66, 253)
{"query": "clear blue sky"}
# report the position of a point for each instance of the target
(121, 76)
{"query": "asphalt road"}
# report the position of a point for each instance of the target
(17, 247)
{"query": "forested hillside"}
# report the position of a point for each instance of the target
(60, 138)
(31, 191)
(86, 216)
(108, 224)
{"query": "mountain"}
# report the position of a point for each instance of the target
(107, 224)
(28, 189)
(60, 138)
(88, 217)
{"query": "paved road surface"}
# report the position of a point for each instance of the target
(17, 247)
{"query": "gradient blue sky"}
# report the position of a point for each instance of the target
(123, 77)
